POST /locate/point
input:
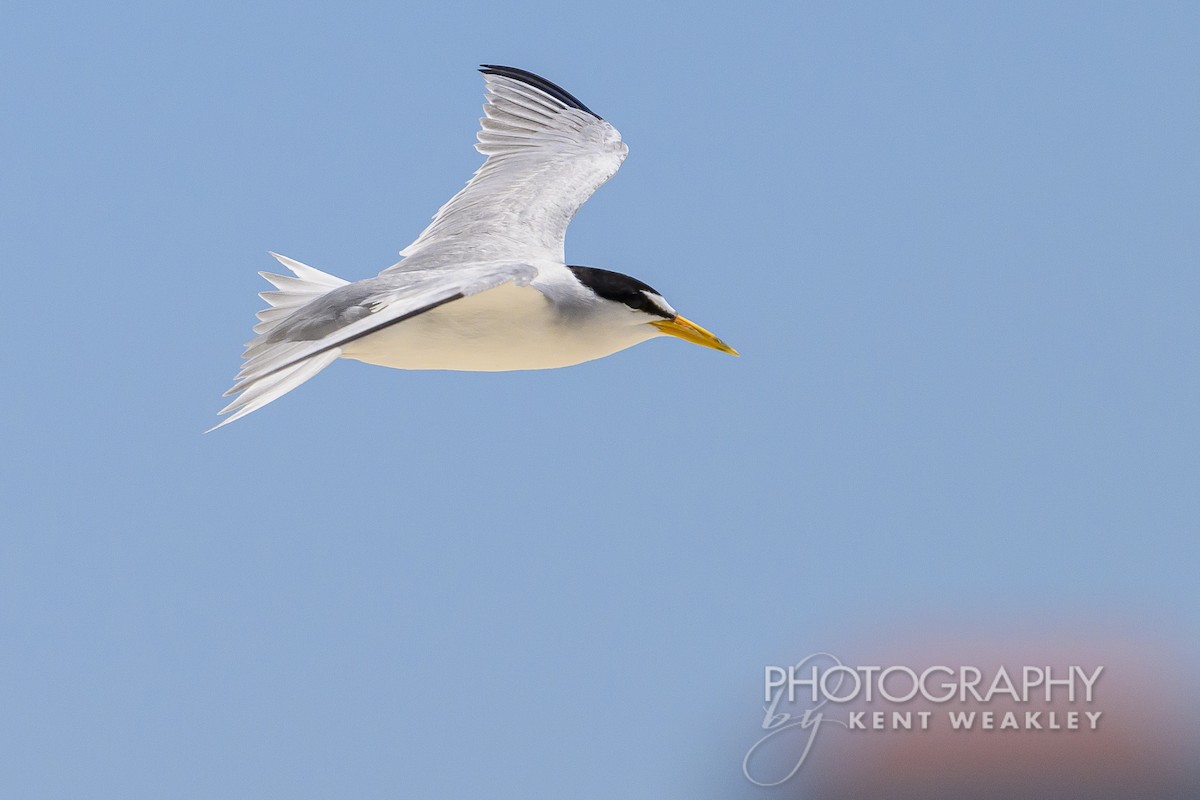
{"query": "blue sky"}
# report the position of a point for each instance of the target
(956, 244)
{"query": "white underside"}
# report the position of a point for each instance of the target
(502, 329)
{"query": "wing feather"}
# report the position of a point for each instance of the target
(546, 154)
(311, 337)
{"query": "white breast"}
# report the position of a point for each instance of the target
(503, 329)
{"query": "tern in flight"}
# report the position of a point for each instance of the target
(486, 286)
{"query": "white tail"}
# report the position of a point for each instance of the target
(292, 294)
(309, 284)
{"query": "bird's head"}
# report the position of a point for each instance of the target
(646, 306)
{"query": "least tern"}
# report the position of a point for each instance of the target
(485, 287)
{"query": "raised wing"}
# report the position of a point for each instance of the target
(546, 154)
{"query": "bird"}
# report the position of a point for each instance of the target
(485, 287)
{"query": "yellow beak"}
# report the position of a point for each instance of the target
(689, 331)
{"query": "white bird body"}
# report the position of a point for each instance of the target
(507, 328)
(485, 287)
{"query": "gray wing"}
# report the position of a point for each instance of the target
(546, 154)
(290, 350)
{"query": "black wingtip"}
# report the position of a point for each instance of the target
(538, 82)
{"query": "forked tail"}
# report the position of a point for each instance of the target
(291, 295)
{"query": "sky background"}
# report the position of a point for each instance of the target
(956, 244)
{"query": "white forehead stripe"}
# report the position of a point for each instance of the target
(658, 300)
